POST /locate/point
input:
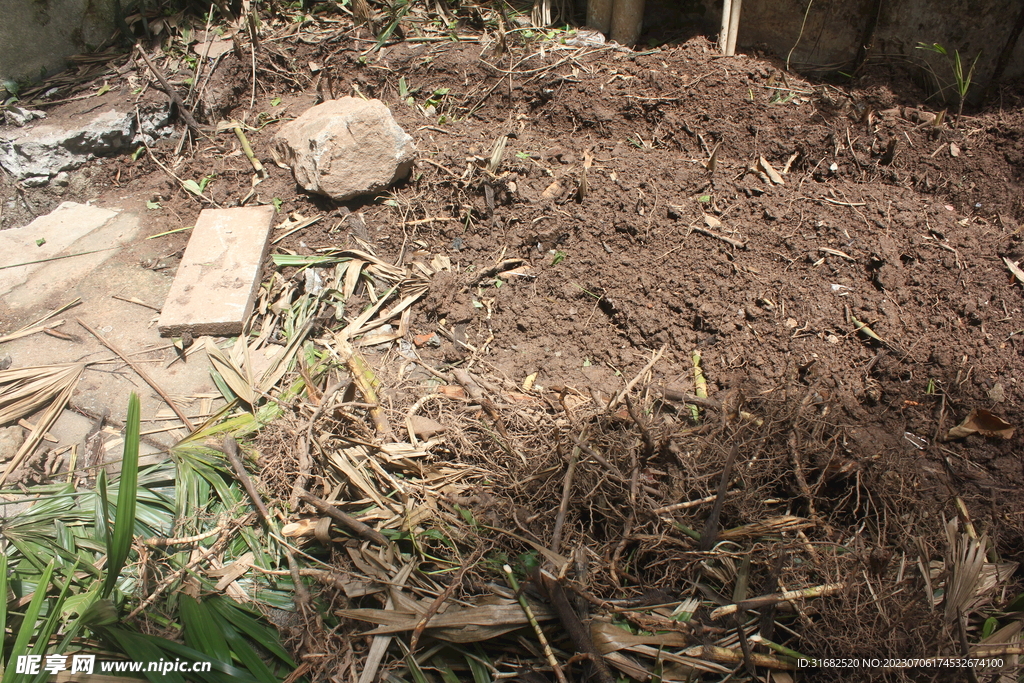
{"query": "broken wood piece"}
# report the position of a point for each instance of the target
(47, 436)
(347, 521)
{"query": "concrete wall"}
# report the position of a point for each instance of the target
(835, 29)
(40, 34)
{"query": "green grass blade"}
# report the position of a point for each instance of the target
(168, 649)
(264, 635)
(245, 654)
(141, 649)
(202, 629)
(124, 522)
(3, 601)
(103, 513)
(28, 625)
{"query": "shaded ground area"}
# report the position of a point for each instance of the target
(833, 260)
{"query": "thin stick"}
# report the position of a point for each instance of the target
(135, 301)
(833, 201)
(686, 505)
(52, 313)
(149, 153)
(536, 626)
(231, 451)
(186, 113)
(710, 535)
(56, 258)
(440, 599)
(728, 240)
(632, 383)
(161, 542)
(563, 507)
(141, 373)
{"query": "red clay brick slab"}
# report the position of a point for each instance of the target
(215, 286)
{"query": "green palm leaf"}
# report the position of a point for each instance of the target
(120, 544)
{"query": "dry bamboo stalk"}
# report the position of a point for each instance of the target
(548, 654)
(734, 26)
(723, 34)
(753, 603)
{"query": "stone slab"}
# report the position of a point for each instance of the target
(29, 292)
(215, 287)
(69, 231)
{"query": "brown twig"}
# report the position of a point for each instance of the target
(649, 445)
(347, 521)
(231, 451)
(728, 240)
(305, 462)
(563, 507)
(440, 599)
(574, 627)
(710, 535)
(173, 94)
(633, 382)
(141, 373)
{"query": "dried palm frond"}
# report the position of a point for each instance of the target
(23, 391)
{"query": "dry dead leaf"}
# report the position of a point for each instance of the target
(1015, 269)
(553, 190)
(769, 171)
(983, 422)
(452, 391)
(424, 427)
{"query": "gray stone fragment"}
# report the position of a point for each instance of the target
(46, 150)
(18, 116)
(11, 439)
(345, 148)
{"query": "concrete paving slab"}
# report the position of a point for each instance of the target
(215, 287)
(29, 292)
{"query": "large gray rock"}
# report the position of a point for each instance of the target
(344, 148)
(42, 150)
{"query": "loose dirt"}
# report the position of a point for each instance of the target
(861, 295)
